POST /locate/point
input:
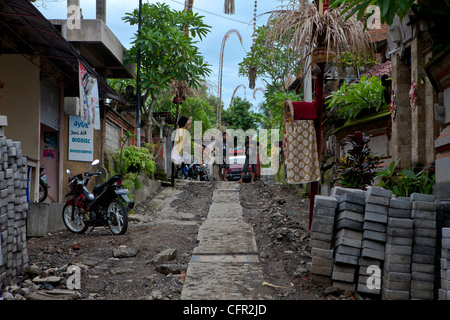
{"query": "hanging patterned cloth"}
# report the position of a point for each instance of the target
(302, 163)
(229, 7)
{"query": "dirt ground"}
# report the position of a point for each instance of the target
(277, 214)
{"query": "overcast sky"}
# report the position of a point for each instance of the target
(210, 46)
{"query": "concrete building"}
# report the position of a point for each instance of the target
(39, 89)
(39, 60)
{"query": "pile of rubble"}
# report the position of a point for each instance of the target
(51, 284)
(62, 283)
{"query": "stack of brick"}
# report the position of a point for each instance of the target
(321, 241)
(423, 214)
(347, 241)
(13, 210)
(374, 237)
(444, 290)
(396, 284)
(443, 212)
(382, 244)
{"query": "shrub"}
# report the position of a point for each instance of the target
(353, 99)
(134, 159)
(357, 169)
(403, 183)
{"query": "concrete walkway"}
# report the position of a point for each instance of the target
(225, 264)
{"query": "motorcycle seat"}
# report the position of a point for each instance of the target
(99, 187)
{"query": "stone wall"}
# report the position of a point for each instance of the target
(382, 246)
(401, 121)
(13, 210)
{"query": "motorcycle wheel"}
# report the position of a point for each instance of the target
(117, 217)
(76, 225)
(194, 174)
(43, 191)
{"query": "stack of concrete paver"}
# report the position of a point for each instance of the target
(322, 239)
(423, 214)
(374, 238)
(13, 210)
(396, 284)
(444, 290)
(347, 241)
(443, 212)
(382, 244)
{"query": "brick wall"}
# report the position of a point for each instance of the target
(378, 34)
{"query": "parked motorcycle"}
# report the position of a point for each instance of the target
(102, 207)
(185, 171)
(43, 185)
(203, 172)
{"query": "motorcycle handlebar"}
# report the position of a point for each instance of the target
(93, 174)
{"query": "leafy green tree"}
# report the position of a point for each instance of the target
(274, 60)
(388, 8)
(201, 110)
(239, 115)
(168, 52)
(272, 110)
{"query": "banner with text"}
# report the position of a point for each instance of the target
(81, 140)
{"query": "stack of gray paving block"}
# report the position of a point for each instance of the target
(423, 214)
(382, 244)
(443, 214)
(444, 290)
(321, 241)
(347, 240)
(374, 237)
(13, 210)
(396, 284)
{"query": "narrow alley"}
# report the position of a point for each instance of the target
(196, 241)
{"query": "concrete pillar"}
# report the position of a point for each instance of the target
(439, 71)
(101, 10)
(442, 145)
(73, 3)
(73, 16)
(432, 127)
(401, 123)
(418, 124)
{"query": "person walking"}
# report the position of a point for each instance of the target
(224, 166)
(250, 149)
